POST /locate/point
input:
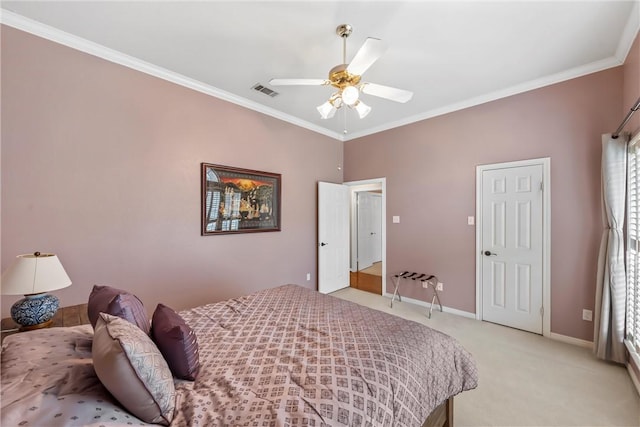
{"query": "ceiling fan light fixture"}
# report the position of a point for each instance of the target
(346, 78)
(362, 109)
(350, 95)
(326, 110)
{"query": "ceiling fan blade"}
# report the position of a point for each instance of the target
(301, 82)
(391, 93)
(371, 50)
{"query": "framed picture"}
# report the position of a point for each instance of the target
(239, 200)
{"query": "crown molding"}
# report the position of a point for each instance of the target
(593, 67)
(39, 29)
(61, 37)
(631, 30)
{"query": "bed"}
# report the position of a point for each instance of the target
(286, 356)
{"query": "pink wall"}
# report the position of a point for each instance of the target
(101, 165)
(430, 171)
(631, 87)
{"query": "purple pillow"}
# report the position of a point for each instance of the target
(176, 341)
(116, 302)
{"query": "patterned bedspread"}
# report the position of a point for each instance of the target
(286, 356)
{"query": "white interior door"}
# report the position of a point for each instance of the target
(365, 230)
(376, 226)
(512, 245)
(333, 237)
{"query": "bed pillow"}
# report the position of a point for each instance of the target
(176, 341)
(131, 367)
(114, 301)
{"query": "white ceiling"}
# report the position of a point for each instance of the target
(451, 54)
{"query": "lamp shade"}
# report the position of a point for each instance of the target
(326, 110)
(362, 109)
(34, 274)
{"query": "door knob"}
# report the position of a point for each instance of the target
(489, 253)
(372, 233)
(323, 244)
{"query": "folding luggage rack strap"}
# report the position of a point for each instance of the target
(427, 281)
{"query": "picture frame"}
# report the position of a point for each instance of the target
(235, 200)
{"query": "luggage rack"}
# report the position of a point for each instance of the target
(428, 281)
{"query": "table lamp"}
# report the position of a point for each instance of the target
(33, 275)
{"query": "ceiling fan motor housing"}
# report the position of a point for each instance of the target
(341, 78)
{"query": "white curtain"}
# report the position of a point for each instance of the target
(611, 281)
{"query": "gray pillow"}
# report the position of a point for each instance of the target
(132, 368)
(114, 301)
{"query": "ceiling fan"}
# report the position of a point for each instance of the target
(346, 78)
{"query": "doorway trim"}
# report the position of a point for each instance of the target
(365, 185)
(546, 234)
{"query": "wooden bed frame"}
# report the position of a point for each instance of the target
(442, 416)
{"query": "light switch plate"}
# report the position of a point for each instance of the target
(471, 220)
(396, 219)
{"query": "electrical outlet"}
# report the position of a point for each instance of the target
(587, 315)
(439, 286)
(308, 276)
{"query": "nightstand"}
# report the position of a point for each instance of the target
(66, 316)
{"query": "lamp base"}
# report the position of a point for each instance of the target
(35, 311)
(38, 326)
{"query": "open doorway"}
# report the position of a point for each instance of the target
(367, 235)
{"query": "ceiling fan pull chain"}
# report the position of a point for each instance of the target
(345, 121)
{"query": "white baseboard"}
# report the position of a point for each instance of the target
(428, 305)
(554, 336)
(634, 378)
(571, 340)
(634, 359)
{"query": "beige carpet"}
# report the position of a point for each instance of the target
(526, 379)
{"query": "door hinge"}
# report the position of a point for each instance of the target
(542, 311)
(541, 185)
